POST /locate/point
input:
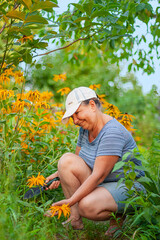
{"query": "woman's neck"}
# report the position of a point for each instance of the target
(99, 124)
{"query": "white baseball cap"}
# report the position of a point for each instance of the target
(74, 99)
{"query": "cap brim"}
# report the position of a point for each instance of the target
(69, 113)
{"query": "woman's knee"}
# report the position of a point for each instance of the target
(86, 208)
(66, 160)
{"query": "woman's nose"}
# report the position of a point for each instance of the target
(75, 119)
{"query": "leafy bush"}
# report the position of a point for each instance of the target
(143, 220)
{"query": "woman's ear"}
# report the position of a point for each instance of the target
(92, 105)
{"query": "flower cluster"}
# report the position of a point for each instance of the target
(9, 75)
(64, 91)
(65, 209)
(35, 181)
(62, 77)
(95, 86)
(25, 38)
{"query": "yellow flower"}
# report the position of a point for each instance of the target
(20, 96)
(102, 99)
(19, 78)
(25, 38)
(64, 91)
(4, 79)
(113, 111)
(24, 145)
(42, 105)
(137, 138)
(95, 86)
(9, 72)
(4, 94)
(18, 106)
(62, 77)
(33, 96)
(59, 116)
(128, 117)
(4, 65)
(34, 181)
(126, 120)
(56, 78)
(65, 209)
(46, 96)
(57, 105)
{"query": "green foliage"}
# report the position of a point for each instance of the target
(21, 21)
(143, 220)
(111, 24)
(30, 25)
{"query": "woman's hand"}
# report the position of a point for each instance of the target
(54, 184)
(60, 203)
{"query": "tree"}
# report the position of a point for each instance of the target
(28, 25)
(21, 24)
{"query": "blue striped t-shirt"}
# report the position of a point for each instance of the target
(113, 139)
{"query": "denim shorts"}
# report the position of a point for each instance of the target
(119, 192)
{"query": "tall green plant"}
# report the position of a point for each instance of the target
(143, 220)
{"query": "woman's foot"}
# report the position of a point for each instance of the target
(114, 225)
(76, 223)
(111, 230)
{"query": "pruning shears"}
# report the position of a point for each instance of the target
(39, 189)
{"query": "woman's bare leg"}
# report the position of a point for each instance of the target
(73, 171)
(98, 205)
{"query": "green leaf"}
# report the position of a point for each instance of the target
(99, 13)
(43, 5)
(35, 19)
(16, 15)
(25, 31)
(126, 155)
(112, 44)
(27, 101)
(49, 36)
(27, 3)
(13, 30)
(118, 165)
(132, 175)
(27, 57)
(78, 6)
(88, 8)
(36, 117)
(41, 45)
(38, 66)
(80, 19)
(15, 88)
(140, 7)
(129, 184)
(158, 18)
(26, 204)
(3, 121)
(43, 123)
(11, 115)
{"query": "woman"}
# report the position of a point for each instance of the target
(87, 180)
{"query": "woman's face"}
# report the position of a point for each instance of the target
(84, 116)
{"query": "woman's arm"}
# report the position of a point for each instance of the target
(77, 150)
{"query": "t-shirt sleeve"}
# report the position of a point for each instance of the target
(80, 137)
(112, 142)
